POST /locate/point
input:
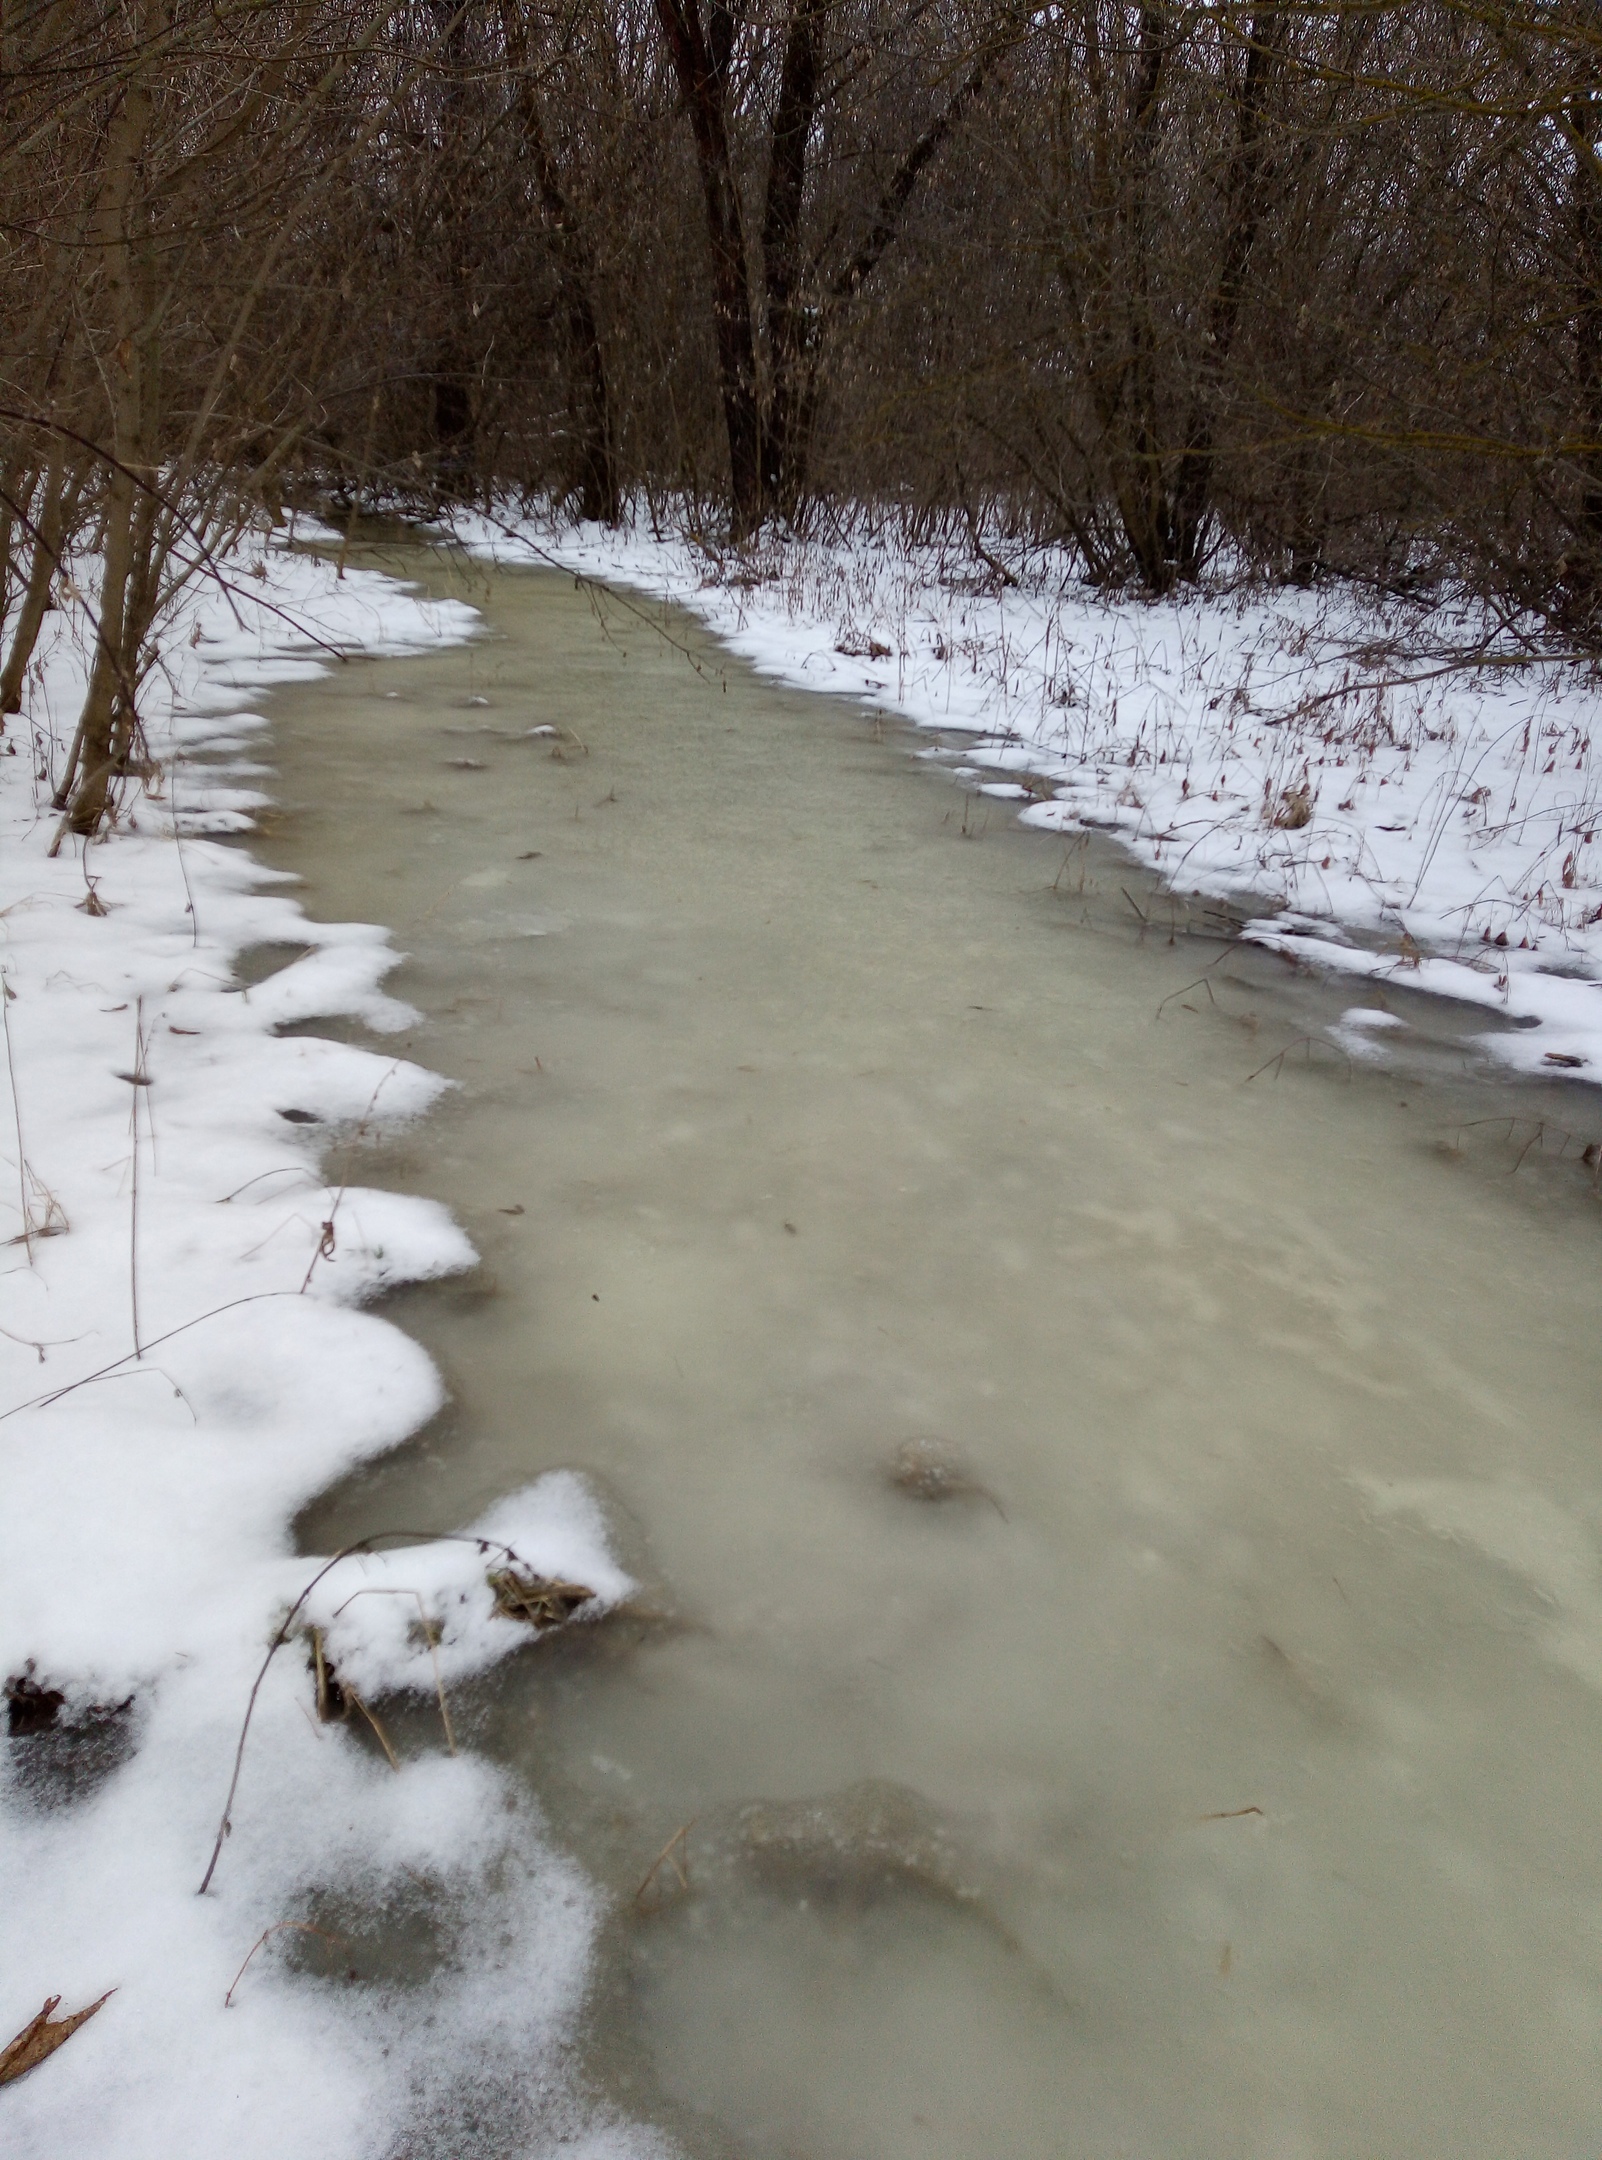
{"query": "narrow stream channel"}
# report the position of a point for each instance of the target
(1214, 1771)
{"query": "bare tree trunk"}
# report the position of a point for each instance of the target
(1193, 482)
(16, 485)
(453, 417)
(700, 56)
(796, 323)
(589, 401)
(57, 501)
(1143, 494)
(108, 704)
(791, 323)
(1585, 576)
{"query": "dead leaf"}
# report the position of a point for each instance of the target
(42, 2037)
(538, 1599)
(1563, 1057)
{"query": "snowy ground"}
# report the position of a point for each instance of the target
(185, 1364)
(1379, 812)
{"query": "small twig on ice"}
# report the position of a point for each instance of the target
(675, 1850)
(1201, 983)
(1312, 1042)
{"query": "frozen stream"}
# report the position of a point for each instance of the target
(1237, 1733)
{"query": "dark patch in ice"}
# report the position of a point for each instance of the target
(402, 1936)
(931, 1469)
(60, 1751)
(258, 962)
(854, 1845)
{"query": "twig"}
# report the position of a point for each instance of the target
(49, 1342)
(1313, 1043)
(6, 995)
(1534, 1140)
(286, 1626)
(383, 1590)
(283, 1170)
(680, 1859)
(38, 1402)
(1201, 983)
(325, 1244)
(305, 1927)
(383, 1737)
(139, 1082)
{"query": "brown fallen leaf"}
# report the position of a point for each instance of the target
(41, 2037)
(536, 1598)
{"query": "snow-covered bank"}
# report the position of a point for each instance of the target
(185, 1364)
(1378, 812)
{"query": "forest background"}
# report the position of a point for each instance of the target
(1292, 292)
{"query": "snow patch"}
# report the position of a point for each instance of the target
(186, 1363)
